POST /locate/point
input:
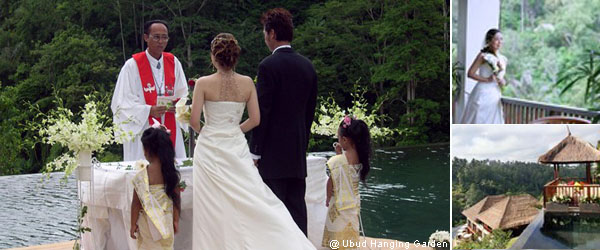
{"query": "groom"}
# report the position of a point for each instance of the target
(287, 95)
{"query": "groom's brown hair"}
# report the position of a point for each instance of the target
(279, 20)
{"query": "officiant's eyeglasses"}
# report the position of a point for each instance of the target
(157, 38)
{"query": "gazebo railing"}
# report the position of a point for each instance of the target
(519, 111)
(575, 192)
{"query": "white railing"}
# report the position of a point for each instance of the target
(577, 193)
(519, 111)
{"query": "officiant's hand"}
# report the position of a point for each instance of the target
(171, 109)
(157, 111)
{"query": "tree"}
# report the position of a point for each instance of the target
(413, 53)
(586, 70)
(72, 65)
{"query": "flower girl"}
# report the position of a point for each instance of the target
(346, 169)
(155, 206)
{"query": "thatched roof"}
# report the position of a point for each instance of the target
(571, 150)
(502, 211)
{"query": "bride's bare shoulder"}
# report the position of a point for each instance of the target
(245, 79)
(204, 80)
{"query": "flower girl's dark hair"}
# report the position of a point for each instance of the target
(489, 35)
(358, 131)
(157, 142)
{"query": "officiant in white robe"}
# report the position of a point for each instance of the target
(133, 103)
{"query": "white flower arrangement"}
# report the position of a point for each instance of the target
(492, 60)
(183, 112)
(590, 199)
(330, 115)
(439, 236)
(562, 199)
(90, 134)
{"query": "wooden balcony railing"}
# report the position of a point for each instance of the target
(519, 111)
(575, 192)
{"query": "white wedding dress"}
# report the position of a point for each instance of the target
(233, 208)
(484, 105)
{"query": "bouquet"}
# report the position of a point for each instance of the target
(183, 112)
(492, 60)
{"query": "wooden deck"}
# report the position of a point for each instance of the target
(393, 244)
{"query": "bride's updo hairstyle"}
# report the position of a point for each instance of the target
(488, 39)
(224, 47)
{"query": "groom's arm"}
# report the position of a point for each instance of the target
(264, 91)
(310, 109)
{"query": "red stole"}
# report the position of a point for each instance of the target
(148, 85)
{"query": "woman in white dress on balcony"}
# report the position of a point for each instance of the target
(484, 105)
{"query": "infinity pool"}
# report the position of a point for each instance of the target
(561, 231)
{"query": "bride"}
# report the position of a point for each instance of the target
(484, 104)
(233, 208)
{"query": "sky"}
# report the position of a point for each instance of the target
(523, 142)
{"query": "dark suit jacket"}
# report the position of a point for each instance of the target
(287, 96)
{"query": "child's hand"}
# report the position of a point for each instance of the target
(134, 229)
(175, 226)
(338, 148)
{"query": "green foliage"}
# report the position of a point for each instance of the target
(389, 44)
(80, 228)
(456, 77)
(498, 239)
(587, 71)
(544, 44)
(109, 156)
(473, 180)
(425, 114)
(11, 143)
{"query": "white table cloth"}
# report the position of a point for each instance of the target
(109, 206)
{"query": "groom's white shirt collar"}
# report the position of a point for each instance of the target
(282, 46)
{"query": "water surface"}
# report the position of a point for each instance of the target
(407, 198)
